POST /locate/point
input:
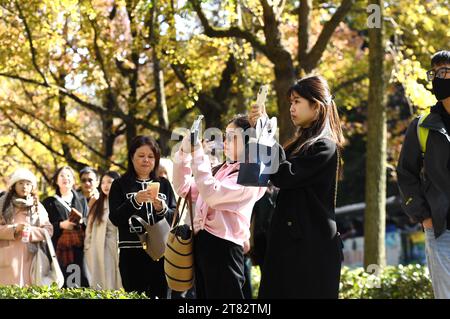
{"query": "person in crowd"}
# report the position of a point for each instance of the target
(222, 212)
(423, 172)
(304, 251)
(101, 252)
(67, 213)
(89, 184)
(162, 172)
(129, 196)
(22, 223)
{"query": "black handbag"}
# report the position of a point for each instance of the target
(261, 162)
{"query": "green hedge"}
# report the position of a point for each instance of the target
(392, 282)
(400, 282)
(15, 292)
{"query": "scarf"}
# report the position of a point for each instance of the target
(16, 202)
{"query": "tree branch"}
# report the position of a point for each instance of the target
(35, 164)
(313, 57)
(37, 139)
(236, 32)
(30, 41)
(304, 13)
(68, 133)
(99, 56)
(349, 82)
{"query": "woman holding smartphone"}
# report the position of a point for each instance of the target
(304, 250)
(222, 212)
(131, 195)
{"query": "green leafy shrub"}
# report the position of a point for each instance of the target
(33, 292)
(392, 282)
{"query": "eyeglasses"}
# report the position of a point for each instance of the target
(87, 180)
(440, 73)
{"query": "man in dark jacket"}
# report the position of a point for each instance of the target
(89, 184)
(424, 175)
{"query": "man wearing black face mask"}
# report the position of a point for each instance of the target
(424, 175)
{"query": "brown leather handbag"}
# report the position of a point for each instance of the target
(154, 238)
(179, 254)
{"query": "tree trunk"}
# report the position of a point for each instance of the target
(161, 105)
(243, 82)
(63, 119)
(375, 215)
(284, 79)
(108, 137)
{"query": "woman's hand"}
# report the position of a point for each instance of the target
(186, 146)
(144, 196)
(255, 114)
(427, 223)
(158, 204)
(67, 225)
(18, 230)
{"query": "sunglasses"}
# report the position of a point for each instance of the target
(87, 180)
(440, 73)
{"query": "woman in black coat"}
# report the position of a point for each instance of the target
(304, 252)
(68, 237)
(128, 196)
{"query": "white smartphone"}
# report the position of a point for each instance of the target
(262, 96)
(195, 129)
(154, 189)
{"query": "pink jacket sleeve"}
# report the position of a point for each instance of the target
(225, 194)
(182, 175)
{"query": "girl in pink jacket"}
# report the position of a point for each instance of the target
(222, 213)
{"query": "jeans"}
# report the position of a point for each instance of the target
(438, 260)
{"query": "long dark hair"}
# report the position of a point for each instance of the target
(137, 142)
(315, 89)
(55, 178)
(97, 209)
(240, 121)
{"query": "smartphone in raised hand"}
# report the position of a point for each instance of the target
(261, 98)
(195, 129)
(153, 188)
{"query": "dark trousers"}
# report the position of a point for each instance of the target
(141, 274)
(75, 276)
(219, 267)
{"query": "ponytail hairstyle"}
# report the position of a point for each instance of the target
(326, 125)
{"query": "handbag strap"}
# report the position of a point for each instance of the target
(51, 249)
(191, 212)
(337, 176)
(140, 221)
(177, 212)
(63, 202)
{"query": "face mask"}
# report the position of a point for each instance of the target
(441, 88)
